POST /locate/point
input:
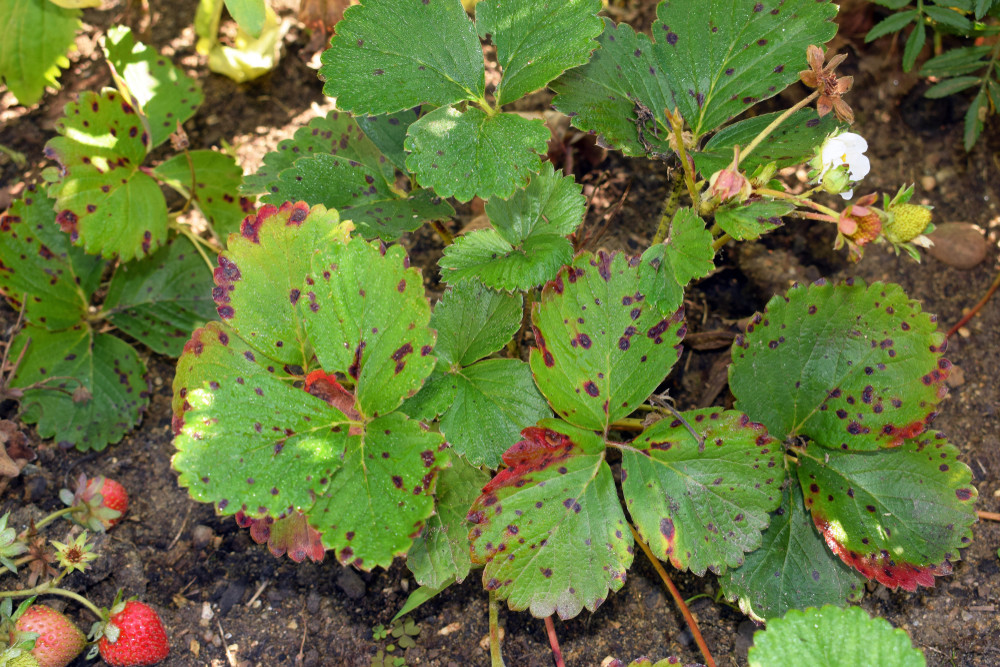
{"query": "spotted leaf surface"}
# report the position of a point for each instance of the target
(686, 254)
(441, 555)
(702, 503)
(336, 134)
(898, 516)
(217, 179)
(792, 143)
(792, 569)
(37, 35)
(375, 207)
(160, 300)
(528, 242)
(474, 322)
(247, 438)
(602, 345)
(393, 55)
(463, 154)
(107, 367)
(833, 636)
(537, 40)
(103, 199)
(261, 277)
(849, 366)
(366, 316)
(164, 93)
(37, 260)
(388, 131)
(751, 220)
(382, 496)
(549, 527)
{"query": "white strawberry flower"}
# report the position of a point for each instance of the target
(842, 155)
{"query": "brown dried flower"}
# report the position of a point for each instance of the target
(826, 82)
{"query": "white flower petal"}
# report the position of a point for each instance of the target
(848, 194)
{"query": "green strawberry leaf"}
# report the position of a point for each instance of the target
(550, 529)
(103, 199)
(434, 398)
(217, 178)
(685, 255)
(337, 134)
(749, 221)
(160, 300)
(528, 243)
(792, 143)
(474, 322)
(603, 346)
(392, 55)
(164, 93)
(440, 555)
(366, 316)
(377, 209)
(792, 569)
(247, 439)
(380, 499)
(833, 636)
(37, 259)
(537, 40)
(901, 539)
(37, 35)
(107, 367)
(848, 366)
(469, 153)
(702, 503)
(388, 131)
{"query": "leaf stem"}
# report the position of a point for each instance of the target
(55, 515)
(801, 201)
(721, 241)
(550, 629)
(669, 209)
(48, 589)
(774, 125)
(442, 231)
(496, 659)
(975, 309)
(197, 242)
(988, 516)
(678, 600)
(627, 424)
(676, 123)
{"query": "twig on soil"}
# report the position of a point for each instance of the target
(260, 589)
(300, 657)
(229, 654)
(550, 628)
(989, 516)
(180, 532)
(975, 309)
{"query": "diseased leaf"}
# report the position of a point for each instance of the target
(388, 132)
(537, 40)
(165, 95)
(389, 55)
(107, 367)
(746, 222)
(474, 322)
(550, 529)
(685, 255)
(434, 398)
(37, 259)
(848, 366)
(37, 35)
(466, 154)
(217, 180)
(792, 569)
(603, 346)
(900, 538)
(702, 503)
(103, 199)
(440, 556)
(160, 300)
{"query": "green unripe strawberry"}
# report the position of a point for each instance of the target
(906, 222)
(23, 660)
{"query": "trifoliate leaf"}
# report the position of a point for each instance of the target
(37, 35)
(160, 300)
(550, 528)
(392, 55)
(165, 94)
(848, 366)
(537, 40)
(39, 261)
(603, 346)
(107, 367)
(470, 153)
(751, 220)
(217, 179)
(529, 231)
(685, 255)
(474, 322)
(702, 503)
(103, 198)
(832, 636)
(898, 515)
(792, 569)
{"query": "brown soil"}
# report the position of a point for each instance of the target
(227, 601)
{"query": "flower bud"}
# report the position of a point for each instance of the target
(729, 183)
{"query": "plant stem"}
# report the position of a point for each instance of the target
(721, 241)
(676, 594)
(669, 209)
(989, 516)
(774, 124)
(550, 628)
(55, 515)
(801, 201)
(197, 242)
(627, 425)
(976, 308)
(48, 589)
(496, 659)
(443, 232)
(682, 153)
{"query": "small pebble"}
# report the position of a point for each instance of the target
(928, 183)
(201, 535)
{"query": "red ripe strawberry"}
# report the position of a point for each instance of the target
(59, 640)
(116, 498)
(141, 639)
(91, 513)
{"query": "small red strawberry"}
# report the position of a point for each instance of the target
(99, 503)
(134, 636)
(59, 640)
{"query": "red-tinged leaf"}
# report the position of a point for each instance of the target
(550, 529)
(290, 534)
